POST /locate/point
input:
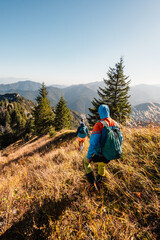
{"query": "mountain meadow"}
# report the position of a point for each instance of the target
(44, 193)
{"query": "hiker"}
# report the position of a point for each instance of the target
(95, 148)
(82, 132)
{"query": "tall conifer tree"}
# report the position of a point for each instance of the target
(43, 114)
(115, 95)
(63, 117)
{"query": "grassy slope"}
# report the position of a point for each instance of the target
(44, 194)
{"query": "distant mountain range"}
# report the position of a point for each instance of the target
(21, 85)
(143, 93)
(147, 112)
(79, 97)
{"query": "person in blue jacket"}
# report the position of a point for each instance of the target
(82, 132)
(94, 151)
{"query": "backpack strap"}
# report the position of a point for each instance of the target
(105, 123)
(103, 136)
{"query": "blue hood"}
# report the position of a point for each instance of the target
(104, 111)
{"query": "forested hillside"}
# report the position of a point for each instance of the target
(15, 114)
(16, 118)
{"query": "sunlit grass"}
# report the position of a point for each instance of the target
(44, 192)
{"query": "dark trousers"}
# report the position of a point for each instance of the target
(97, 158)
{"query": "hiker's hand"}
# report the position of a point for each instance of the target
(89, 160)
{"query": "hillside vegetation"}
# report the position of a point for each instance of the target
(17, 120)
(15, 115)
(44, 193)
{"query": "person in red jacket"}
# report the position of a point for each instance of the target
(94, 151)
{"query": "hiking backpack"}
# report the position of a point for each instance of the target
(112, 142)
(82, 130)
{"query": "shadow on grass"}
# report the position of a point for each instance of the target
(58, 141)
(34, 225)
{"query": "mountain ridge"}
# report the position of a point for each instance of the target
(79, 96)
(146, 113)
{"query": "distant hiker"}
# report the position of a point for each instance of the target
(105, 145)
(82, 132)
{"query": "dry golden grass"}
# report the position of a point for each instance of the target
(44, 193)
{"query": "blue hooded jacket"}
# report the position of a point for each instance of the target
(95, 139)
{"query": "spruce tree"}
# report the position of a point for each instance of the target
(115, 95)
(43, 114)
(62, 116)
(8, 121)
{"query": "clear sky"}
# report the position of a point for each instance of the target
(76, 41)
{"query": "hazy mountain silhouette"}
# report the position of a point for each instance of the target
(143, 93)
(79, 96)
(21, 85)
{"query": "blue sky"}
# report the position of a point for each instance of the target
(76, 41)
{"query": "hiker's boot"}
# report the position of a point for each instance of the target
(92, 181)
(90, 177)
(99, 179)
